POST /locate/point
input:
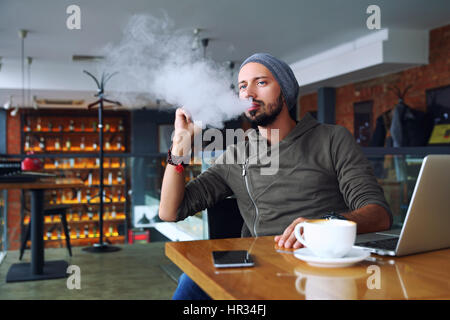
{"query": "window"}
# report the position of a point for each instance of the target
(363, 122)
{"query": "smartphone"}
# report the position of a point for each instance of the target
(232, 259)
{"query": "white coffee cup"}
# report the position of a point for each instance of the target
(327, 238)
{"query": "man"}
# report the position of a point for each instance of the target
(321, 168)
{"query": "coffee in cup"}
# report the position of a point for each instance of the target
(327, 238)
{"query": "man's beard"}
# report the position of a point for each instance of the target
(266, 119)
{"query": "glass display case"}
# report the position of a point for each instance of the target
(147, 174)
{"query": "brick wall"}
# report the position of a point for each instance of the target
(435, 74)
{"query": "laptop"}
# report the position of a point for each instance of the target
(427, 223)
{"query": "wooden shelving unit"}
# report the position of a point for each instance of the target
(69, 132)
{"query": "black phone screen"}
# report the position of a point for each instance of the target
(234, 258)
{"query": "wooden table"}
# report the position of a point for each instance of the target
(38, 269)
(279, 275)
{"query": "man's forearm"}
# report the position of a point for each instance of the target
(370, 218)
(172, 189)
(172, 193)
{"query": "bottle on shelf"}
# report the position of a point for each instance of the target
(90, 179)
(108, 144)
(57, 144)
(27, 125)
(72, 233)
(54, 197)
(50, 126)
(119, 177)
(121, 129)
(68, 144)
(88, 195)
(94, 126)
(71, 126)
(86, 231)
(94, 145)
(113, 212)
(48, 233)
(107, 127)
(42, 143)
(38, 125)
(90, 213)
(83, 129)
(79, 196)
(110, 178)
(27, 144)
(110, 231)
(119, 144)
(82, 144)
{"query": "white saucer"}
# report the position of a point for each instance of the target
(354, 256)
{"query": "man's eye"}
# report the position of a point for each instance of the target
(262, 82)
(242, 87)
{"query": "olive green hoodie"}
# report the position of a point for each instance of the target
(315, 169)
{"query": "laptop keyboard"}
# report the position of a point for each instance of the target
(386, 244)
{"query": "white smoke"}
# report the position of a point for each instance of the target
(156, 62)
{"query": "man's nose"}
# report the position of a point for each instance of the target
(250, 92)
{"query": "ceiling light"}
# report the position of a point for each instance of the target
(196, 42)
(8, 103)
(14, 112)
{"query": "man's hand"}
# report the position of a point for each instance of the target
(184, 133)
(288, 239)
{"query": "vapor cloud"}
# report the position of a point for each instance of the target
(156, 62)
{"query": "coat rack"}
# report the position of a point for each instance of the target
(400, 94)
(101, 247)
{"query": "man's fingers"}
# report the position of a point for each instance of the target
(298, 245)
(289, 234)
(290, 241)
(282, 239)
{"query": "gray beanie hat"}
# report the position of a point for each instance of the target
(281, 72)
